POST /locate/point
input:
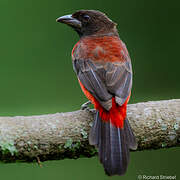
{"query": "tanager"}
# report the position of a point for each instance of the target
(103, 68)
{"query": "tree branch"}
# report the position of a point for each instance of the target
(65, 135)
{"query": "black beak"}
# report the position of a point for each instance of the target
(69, 20)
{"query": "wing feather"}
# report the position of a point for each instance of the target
(105, 80)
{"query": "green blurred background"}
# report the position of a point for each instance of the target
(36, 73)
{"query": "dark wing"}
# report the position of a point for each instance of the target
(119, 80)
(105, 80)
(92, 76)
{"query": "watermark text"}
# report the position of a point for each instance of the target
(154, 177)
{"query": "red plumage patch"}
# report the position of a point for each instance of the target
(106, 48)
(116, 115)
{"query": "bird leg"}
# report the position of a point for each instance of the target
(39, 162)
(85, 105)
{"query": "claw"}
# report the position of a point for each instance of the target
(85, 105)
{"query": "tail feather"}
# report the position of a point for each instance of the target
(102, 146)
(129, 135)
(119, 152)
(94, 132)
(113, 144)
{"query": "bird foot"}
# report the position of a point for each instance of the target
(85, 106)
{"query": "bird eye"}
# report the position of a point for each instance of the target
(86, 17)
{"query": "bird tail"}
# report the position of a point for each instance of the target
(113, 144)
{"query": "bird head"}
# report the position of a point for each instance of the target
(89, 22)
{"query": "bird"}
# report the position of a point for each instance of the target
(103, 67)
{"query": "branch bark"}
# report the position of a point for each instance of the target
(65, 135)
